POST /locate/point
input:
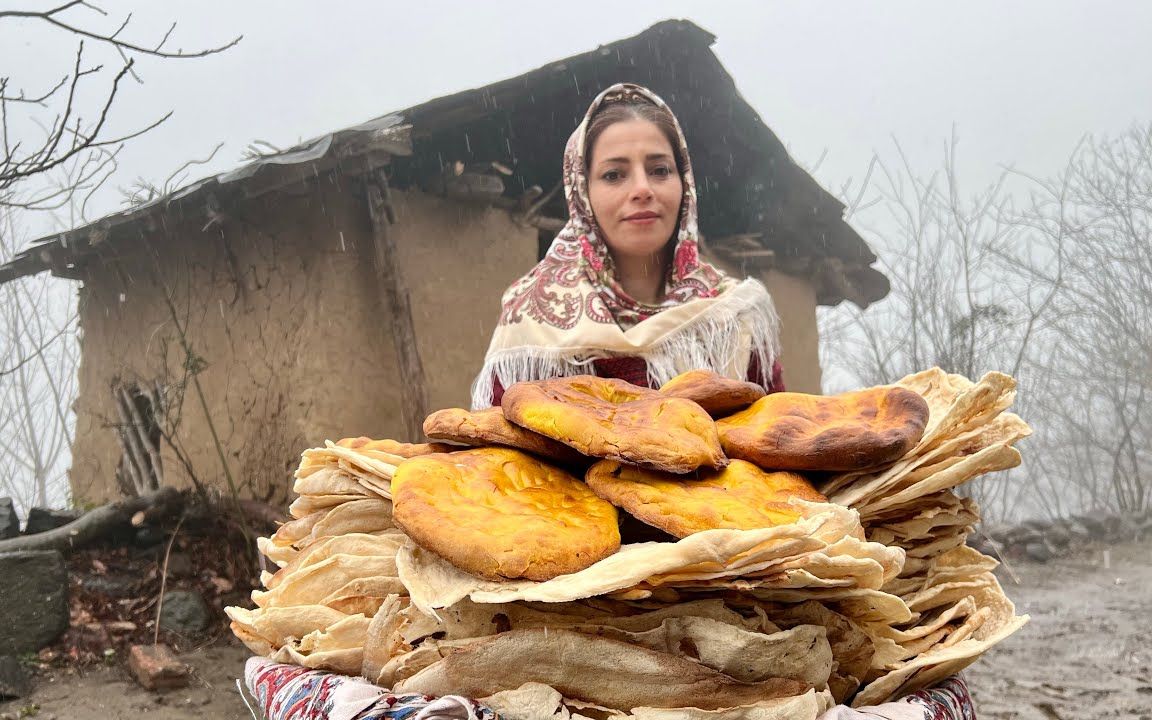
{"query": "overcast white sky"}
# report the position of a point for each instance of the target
(1020, 81)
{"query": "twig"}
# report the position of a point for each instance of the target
(43, 346)
(188, 356)
(998, 549)
(49, 16)
(164, 578)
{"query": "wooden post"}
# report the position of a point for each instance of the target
(135, 461)
(394, 299)
(154, 474)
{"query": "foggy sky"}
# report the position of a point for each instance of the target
(1020, 82)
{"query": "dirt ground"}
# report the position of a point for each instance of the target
(1086, 654)
(108, 693)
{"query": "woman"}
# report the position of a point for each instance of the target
(622, 291)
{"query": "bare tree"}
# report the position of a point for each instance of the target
(951, 305)
(1058, 294)
(56, 150)
(1092, 247)
(73, 132)
(38, 360)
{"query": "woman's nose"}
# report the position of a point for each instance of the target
(641, 188)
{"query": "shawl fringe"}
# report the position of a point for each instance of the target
(724, 340)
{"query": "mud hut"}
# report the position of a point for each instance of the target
(349, 284)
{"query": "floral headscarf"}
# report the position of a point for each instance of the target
(570, 309)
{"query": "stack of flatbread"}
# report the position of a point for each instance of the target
(315, 611)
(715, 621)
(959, 608)
(341, 488)
(499, 570)
(337, 557)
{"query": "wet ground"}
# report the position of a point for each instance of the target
(1087, 654)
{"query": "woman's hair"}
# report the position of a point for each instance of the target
(633, 109)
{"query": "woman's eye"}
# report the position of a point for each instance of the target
(612, 176)
(662, 171)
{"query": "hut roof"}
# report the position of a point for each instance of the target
(757, 207)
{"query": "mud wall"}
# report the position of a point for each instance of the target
(795, 300)
(290, 344)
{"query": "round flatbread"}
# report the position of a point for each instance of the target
(739, 497)
(490, 427)
(614, 419)
(502, 514)
(852, 431)
(394, 447)
(715, 393)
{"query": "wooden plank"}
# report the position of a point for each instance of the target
(394, 298)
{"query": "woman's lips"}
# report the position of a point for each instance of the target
(646, 218)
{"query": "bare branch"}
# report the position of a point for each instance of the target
(38, 351)
(52, 17)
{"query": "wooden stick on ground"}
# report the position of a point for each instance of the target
(98, 523)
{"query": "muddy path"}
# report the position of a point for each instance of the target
(1087, 654)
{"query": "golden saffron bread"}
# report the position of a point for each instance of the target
(614, 419)
(490, 427)
(739, 497)
(715, 393)
(852, 431)
(499, 513)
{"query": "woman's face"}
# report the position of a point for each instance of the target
(635, 188)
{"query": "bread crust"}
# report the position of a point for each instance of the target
(718, 395)
(614, 419)
(502, 514)
(739, 497)
(848, 432)
(490, 427)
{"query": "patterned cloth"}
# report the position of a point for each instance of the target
(570, 309)
(949, 700)
(290, 692)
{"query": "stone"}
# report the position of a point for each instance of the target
(1059, 537)
(1023, 536)
(1143, 522)
(9, 520)
(1038, 525)
(111, 586)
(980, 543)
(184, 613)
(14, 680)
(1094, 523)
(1129, 528)
(155, 667)
(148, 536)
(43, 519)
(1038, 552)
(34, 598)
(1113, 526)
(179, 565)
(1079, 530)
